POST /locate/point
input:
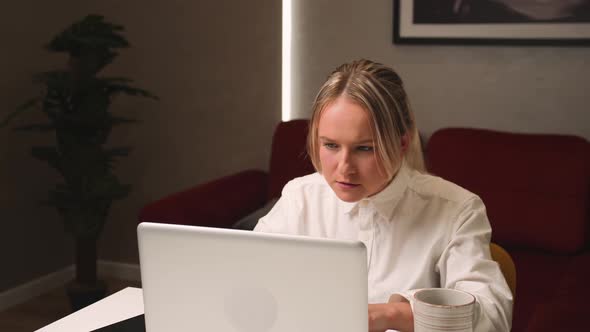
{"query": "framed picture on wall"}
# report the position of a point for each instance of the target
(501, 22)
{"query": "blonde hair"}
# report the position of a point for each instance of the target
(379, 90)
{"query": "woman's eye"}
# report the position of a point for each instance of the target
(330, 146)
(365, 148)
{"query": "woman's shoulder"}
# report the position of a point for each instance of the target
(438, 188)
(308, 182)
(308, 190)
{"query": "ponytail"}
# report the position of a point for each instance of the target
(414, 155)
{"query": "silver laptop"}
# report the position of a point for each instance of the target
(210, 279)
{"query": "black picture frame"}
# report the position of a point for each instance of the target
(406, 30)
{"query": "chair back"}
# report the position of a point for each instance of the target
(506, 265)
(536, 187)
(288, 158)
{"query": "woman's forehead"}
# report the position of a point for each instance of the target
(345, 119)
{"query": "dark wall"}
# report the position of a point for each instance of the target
(216, 67)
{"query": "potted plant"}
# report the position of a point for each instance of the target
(77, 104)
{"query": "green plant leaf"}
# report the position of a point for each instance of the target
(29, 105)
(114, 89)
(76, 103)
(60, 80)
(92, 31)
(48, 154)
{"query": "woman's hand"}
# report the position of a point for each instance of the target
(393, 315)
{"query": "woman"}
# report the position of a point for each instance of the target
(420, 231)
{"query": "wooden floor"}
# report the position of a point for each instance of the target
(47, 308)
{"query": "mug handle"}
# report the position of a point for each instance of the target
(407, 297)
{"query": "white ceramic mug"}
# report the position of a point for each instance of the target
(442, 309)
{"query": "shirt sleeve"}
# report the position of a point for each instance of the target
(281, 218)
(274, 221)
(466, 264)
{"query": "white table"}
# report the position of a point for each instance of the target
(124, 304)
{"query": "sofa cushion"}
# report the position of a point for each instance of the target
(217, 203)
(249, 222)
(536, 187)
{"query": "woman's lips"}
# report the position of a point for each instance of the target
(346, 185)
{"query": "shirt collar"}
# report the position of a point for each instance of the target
(385, 200)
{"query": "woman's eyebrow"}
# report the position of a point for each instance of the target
(364, 141)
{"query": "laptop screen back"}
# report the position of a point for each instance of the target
(209, 279)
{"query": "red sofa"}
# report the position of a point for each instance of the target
(222, 202)
(537, 193)
(536, 189)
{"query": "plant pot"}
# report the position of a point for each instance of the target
(82, 295)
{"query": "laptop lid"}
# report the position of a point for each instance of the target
(211, 279)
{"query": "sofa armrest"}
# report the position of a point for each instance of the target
(218, 203)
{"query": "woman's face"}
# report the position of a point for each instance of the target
(347, 155)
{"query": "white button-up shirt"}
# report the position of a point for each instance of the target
(420, 232)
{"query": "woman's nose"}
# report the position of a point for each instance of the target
(346, 163)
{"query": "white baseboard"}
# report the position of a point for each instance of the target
(34, 288)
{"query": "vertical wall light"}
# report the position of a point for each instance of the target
(286, 61)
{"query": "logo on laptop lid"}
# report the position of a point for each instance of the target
(250, 309)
